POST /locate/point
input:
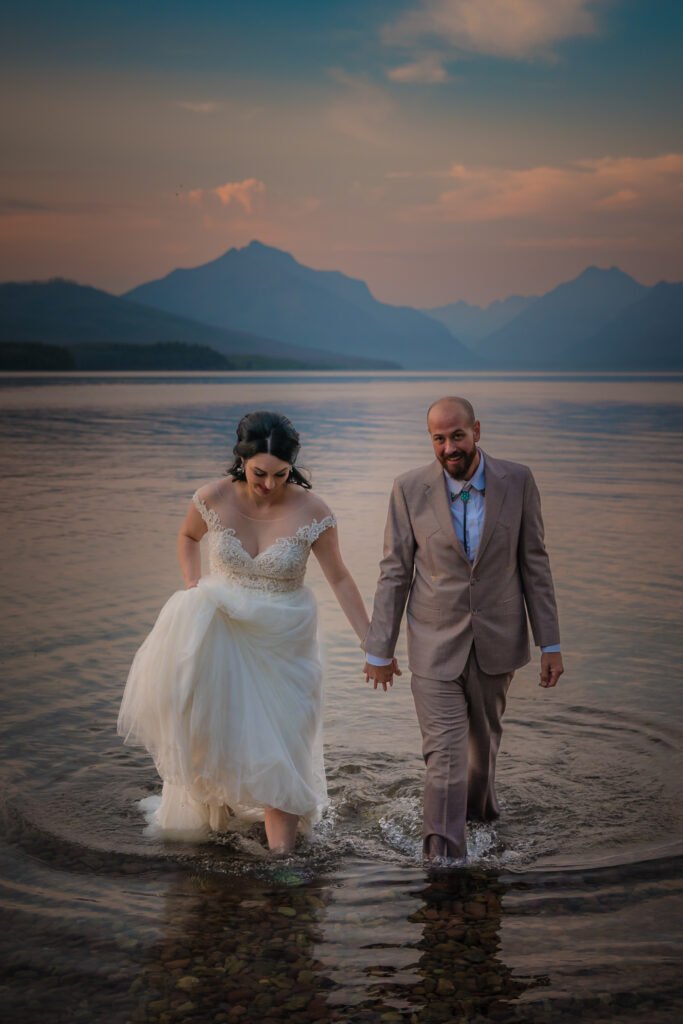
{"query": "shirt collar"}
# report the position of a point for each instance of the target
(478, 481)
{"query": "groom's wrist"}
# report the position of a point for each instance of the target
(377, 662)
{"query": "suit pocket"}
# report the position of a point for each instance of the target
(435, 562)
(423, 611)
(512, 605)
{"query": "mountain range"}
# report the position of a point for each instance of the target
(61, 312)
(260, 305)
(547, 333)
(647, 335)
(472, 323)
(602, 319)
(266, 291)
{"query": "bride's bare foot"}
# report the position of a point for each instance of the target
(281, 827)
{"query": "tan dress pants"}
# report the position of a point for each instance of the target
(461, 724)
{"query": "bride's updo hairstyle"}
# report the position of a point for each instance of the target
(268, 433)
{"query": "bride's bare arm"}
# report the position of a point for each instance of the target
(189, 536)
(326, 550)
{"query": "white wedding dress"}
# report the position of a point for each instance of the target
(226, 691)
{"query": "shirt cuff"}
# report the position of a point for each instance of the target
(551, 649)
(377, 662)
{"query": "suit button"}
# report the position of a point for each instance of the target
(474, 611)
(473, 580)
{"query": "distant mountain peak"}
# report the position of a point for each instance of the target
(254, 250)
(603, 273)
(258, 245)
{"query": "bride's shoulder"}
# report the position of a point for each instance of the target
(214, 495)
(215, 490)
(316, 508)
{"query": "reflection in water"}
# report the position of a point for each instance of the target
(437, 961)
(94, 936)
(238, 952)
(253, 952)
(460, 967)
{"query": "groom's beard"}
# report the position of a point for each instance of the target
(461, 467)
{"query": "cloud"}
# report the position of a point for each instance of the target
(608, 187)
(413, 174)
(362, 111)
(242, 192)
(10, 206)
(427, 69)
(620, 200)
(199, 108)
(305, 206)
(369, 195)
(518, 29)
(581, 242)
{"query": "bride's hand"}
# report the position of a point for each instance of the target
(192, 584)
(381, 674)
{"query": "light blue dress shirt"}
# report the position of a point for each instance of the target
(476, 506)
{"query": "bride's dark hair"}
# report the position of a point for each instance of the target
(270, 433)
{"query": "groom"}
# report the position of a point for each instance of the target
(463, 546)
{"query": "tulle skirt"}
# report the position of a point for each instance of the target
(226, 695)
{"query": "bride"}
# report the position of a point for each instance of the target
(226, 691)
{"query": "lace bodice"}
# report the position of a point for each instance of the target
(280, 568)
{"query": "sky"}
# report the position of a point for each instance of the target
(436, 149)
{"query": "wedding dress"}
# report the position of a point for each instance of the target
(226, 691)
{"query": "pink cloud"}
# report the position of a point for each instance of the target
(620, 200)
(208, 107)
(583, 242)
(307, 205)
(558, 194)
(241, 192)
(427, 69)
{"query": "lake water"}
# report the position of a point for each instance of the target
(570, 908)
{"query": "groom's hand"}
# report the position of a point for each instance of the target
(381, 674)
(551, 668)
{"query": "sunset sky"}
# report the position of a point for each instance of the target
(437, 149)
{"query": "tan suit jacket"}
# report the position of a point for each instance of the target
(452, 604)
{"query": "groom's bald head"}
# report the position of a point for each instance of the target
(454, 431)
(445, 405)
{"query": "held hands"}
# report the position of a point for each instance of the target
(551, 668)
(381, 674)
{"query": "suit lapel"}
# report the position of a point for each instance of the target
(439, 501)
(495, 488)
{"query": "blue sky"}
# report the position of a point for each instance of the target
(438, 149)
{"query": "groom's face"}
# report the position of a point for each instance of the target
(454, 439)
